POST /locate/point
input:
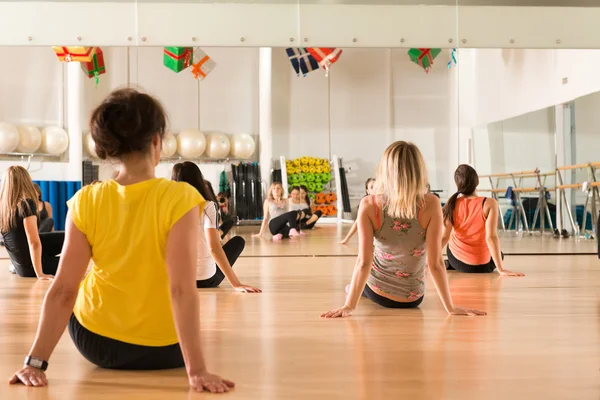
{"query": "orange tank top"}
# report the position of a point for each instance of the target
(467, 242)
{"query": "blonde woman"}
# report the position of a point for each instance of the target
(282, 223)
(399, 235)
(32, 254)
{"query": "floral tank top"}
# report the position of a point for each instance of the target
(399, 262)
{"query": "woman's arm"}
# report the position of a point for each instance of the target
(446, 234)
(435, 262)
(263, 226)
(49, 209)
(491, 238)
(58, 302)
(363, 262)
(35, 245)
(216, 251)
(181, 267)
(351, 233)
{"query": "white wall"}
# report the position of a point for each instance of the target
(373, 97)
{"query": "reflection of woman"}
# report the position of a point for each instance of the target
(32, 253)
(280, 221)
(369, 190)
(45, 212)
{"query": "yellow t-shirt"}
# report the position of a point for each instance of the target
(126, 295)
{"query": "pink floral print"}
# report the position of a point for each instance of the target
(383, 255)
(402, 274)
(414, 296)
(401, 226)
(418, 252)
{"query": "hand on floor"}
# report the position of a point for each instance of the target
(247, 289)
(212, 383)
(338, 313)
(29, 376)
(510, 273)
(467, 311)
(343, 242)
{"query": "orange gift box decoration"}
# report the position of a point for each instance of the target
(74, 53)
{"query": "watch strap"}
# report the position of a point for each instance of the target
(35, 362)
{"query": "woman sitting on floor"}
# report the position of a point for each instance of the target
(209, 275)
(309, 219)
(226, 222)
(282, 223)
(32, 254)
(471, 228)
(138, 307)
(399, 236)
(45, 212)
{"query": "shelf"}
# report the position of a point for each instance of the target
(205, 160)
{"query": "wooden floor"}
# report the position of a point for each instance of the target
(539, 341)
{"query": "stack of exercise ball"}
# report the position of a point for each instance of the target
(28, 139)
(315, 174)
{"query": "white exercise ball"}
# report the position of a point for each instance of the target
(169, 145)
(217, 145)
(90, 145)
(242, 146)
(9, 138)
(191, 143)
(55, 140)
(30, 139)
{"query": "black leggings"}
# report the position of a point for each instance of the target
(46, 225)
(284, 223)
(226, 227)
(304, 225)
(455, 263)
(52, 243)
(114, 354)
(232, 249)
(389, 303)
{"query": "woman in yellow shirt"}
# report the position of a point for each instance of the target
(137, 308)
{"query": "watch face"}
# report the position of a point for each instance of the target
(35, 363)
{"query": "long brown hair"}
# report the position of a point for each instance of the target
(402, 179)
(466, 180)
(17, 188)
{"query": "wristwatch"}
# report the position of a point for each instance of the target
(36, 363)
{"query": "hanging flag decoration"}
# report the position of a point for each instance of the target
(325, 56)
(74, 53)
(302, 61)
(178, 58)
(96, 66)
(452, 58)
(202, 64)
(424, 57)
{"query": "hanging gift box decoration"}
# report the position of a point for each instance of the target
(452, 58)
(302, 61)
(76, 54)
(178, 58)
(424, 57)
(96, 67)
(202, 65)
(325, 56)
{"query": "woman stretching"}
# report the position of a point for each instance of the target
(471, 228)
(226, 222)
(137, 308)
(45, 212)
(369, 190)
(32, 254)
(310, 219)
(399, 236)
(282, 223)
(209, 243)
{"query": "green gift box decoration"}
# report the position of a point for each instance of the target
(96, 66)
(424, 57)
(178, 58)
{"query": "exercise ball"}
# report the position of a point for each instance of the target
(242, 146)
(191, 143)
(9, 138)
(169, 145)
(217, 145)
(90, 145)
(55, 140)
(30, 139)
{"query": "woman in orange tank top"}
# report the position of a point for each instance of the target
(471, 228)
